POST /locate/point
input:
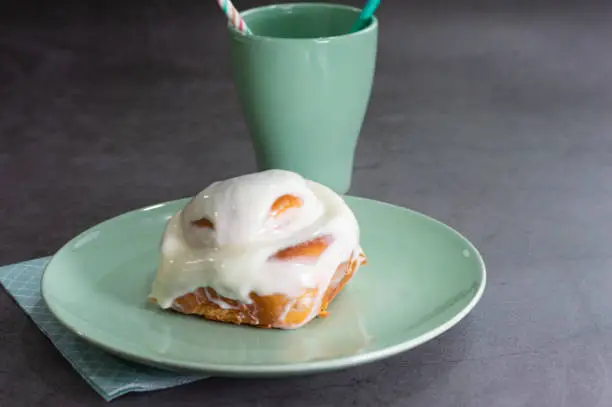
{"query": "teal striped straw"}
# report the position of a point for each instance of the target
(233, 16)
(365, 15)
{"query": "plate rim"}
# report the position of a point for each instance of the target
(221, 370)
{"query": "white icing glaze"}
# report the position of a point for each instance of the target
(234, 258)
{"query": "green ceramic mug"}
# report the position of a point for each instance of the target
(304, 83)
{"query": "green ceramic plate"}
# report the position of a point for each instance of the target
(421, 279)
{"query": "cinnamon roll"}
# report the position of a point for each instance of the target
(268, 249)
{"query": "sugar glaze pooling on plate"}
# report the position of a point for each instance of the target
(235, 255)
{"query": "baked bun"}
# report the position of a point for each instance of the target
(269, 249)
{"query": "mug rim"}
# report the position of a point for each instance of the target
(254, 37)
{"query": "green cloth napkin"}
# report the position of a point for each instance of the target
(111, 377)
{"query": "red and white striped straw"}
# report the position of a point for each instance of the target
(233, 16)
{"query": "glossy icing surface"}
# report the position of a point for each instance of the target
(231, 237)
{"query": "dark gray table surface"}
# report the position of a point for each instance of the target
(493, 117)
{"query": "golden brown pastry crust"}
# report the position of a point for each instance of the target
(271, 311)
